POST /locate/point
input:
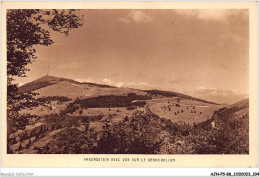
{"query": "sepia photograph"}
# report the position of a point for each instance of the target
(128, 81)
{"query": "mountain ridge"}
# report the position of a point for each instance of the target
(50, 80)
(46, 81)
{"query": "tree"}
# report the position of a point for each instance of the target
(27, 28)
(80, 112)
(20, 147)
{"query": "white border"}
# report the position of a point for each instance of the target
(127, 171)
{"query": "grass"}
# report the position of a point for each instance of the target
(167, 108)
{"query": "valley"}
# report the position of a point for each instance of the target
(73, 117)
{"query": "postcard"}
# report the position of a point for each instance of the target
(129, 84)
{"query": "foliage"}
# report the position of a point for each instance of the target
(132, 107)
(112, 101)
(230, 136)
(70, 109)
(135, 136)
(25, 29)
(54, 98)
(145, 133)
(69, 141)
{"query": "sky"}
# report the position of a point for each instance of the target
(202, 53)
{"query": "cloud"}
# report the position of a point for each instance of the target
(211, 14)
(136, 16)
(219, 95)
(204, 90)
(88, 79)
(119, 84)
(216, 91)
(137, 85)
(107, 81)
(110, 82)
(139, 16)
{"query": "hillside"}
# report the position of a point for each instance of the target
(58, 86)
(67, 95)
(42, 82)
(51, 80)
(89, 118)
(82, 91)
(137, 132)
(226, 132)
(158, 93)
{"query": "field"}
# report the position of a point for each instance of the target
(182, 110)
(76, 118)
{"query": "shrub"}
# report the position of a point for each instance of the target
(71, 108)
(54, 98)
(80, 112)
(130, 107)
(112, 101)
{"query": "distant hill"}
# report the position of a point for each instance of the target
(242, 104)
(236, 111)
(94, 118)
(59, 86)
(229, 128)
(50, 86)
(50, 80)
(42, 82)
(175, 94)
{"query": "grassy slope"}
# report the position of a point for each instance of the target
(58, 86)
(50, 80)
(175, 94)
(189, 111)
